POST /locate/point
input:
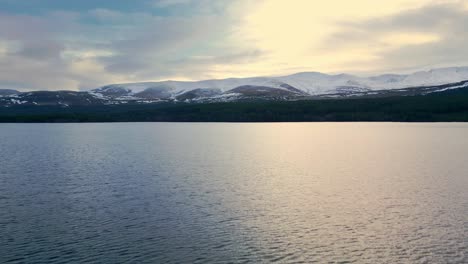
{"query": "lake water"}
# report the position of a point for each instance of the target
(234, 193)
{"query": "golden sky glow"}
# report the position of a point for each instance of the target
(293, 34)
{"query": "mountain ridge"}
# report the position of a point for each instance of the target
(298, 86)
(316, 83)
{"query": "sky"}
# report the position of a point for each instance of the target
(79, 45)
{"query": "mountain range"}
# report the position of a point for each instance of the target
(299, 86)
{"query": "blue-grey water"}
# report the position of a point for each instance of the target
(234, 193)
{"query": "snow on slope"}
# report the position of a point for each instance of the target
(223, 84)
(315, 83)
(318, 83)
(437, 77)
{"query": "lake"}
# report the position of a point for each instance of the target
(234, 193)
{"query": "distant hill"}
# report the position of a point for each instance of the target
(436, 95)
(306, 85)
(443, 106)
(7, 92)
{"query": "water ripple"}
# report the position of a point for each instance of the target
(234, 193)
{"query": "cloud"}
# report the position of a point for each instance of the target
(84, 50)
(168, 3)
(430, 36)
(349, 36)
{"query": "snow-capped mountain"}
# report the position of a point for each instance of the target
(309, 83)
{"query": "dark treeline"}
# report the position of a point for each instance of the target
(440, 107)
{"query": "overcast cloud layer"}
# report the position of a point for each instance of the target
(54, 45)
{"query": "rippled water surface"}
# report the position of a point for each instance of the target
(198, 193)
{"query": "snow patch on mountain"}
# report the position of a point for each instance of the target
(312, 83)
(451, 88)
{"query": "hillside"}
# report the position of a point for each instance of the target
(445, 106)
